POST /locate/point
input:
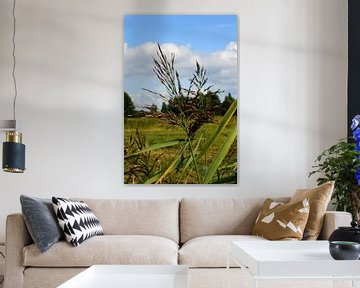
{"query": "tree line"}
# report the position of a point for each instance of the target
(210, 101)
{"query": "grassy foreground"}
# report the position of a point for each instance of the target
(142, 133)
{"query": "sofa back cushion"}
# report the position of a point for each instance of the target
(158, 217)
(200, 217)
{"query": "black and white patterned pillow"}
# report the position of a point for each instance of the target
(77, 220)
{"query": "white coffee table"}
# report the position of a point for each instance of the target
(131, 276)
(285, 260)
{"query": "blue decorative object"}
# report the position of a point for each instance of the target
(356, 134)
(355, 122)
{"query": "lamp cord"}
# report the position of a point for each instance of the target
(14, 61)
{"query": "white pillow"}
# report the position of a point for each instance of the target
(76, 220)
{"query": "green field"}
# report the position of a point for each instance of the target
(144, 133)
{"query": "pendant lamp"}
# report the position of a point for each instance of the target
(13, 160)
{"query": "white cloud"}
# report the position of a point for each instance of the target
(221, 68)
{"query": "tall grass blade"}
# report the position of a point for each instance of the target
(153, 179)
(221, 127)
(220, 155)
(190, 160)
(195, 164)
(172, 166)
(156, 147)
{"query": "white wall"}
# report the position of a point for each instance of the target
(292, 60)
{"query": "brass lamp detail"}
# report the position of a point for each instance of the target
(13, 136)
(13, 153)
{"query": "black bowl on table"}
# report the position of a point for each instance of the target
(344, 250)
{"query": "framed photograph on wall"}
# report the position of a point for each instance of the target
(180, 99)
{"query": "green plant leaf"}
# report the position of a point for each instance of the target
(173, 164)
(190, 160)
(153, 179)
(195, 164)
(339, 163)
(220, 155)
(156, 147)
(224, 122)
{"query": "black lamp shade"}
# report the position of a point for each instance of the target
(13, 157)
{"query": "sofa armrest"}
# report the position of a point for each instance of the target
(17, 237)
(333, 220)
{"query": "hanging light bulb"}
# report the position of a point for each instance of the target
(13, 149)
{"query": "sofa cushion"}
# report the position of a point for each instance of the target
(319, 198)
(107, 249)
(279, 221)
(158, 217)
(77, 220)
(200, 217)
(211, 251)
(41, 221)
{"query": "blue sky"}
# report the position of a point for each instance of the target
(209, 39)
(199, 31)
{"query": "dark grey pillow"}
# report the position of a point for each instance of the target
(41, 221)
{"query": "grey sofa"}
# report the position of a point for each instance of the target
(195, 232)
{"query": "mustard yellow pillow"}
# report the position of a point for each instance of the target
(319, 198)
(279, 221)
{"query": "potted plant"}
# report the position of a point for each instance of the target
(341, 163)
